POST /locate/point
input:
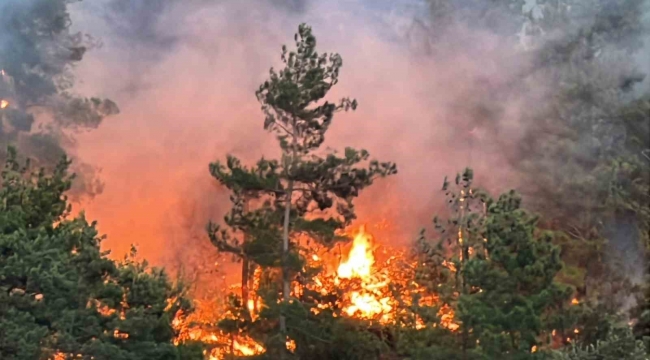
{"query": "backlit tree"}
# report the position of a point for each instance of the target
(308, 192)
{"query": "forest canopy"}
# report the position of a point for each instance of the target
(556, 268)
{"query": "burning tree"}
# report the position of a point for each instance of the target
(305, 195)
(497, 272)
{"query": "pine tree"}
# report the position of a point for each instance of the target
(618, 344)
(60, 294)
(496, 271)
(582, 160)
(308, 192)
(598, 200)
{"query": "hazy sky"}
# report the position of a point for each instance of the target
(184, 75)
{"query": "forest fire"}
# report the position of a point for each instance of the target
(360, 259)
(513, 135)
(198, 327)
(382, 289)
(369, 300)
(376, 286)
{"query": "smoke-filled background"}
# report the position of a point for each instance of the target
(548, 97)
(439, 87)
(184, 75)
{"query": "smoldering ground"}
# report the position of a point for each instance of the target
(184, 74)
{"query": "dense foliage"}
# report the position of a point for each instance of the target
(496, 282)
(618, 344)
(585, 155)
(60, 294)
(499, 268)
(495, 269)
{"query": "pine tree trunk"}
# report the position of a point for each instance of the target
(232, 345)
(285, 235)
(245, 268)
(285, 253)
(245, 278)
(256, 300)
(463, 239)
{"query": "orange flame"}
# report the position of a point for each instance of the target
(368, 302)
(575, 301)
(120, 335)
(372, 299)
(291, 345)
(367, 305)
(4, 104)
(247, 348)
(367, 279)
(360, 259)
(199, 326)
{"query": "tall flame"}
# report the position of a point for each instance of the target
(369, 301)
(360, 260)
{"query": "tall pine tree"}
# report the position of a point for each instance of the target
(307, 192)
(496, 271)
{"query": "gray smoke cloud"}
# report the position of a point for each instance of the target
(437, 92)
(41, 113)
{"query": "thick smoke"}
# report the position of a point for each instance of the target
(41, 113)
(434, 97)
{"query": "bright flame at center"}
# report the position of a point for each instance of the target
(4, 104)
(249, 348)
(368, 301)
(360, 259)
(368, 283)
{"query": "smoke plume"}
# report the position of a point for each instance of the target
(434, 97)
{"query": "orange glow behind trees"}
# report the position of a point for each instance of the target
(377, 290)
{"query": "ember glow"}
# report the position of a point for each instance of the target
(575, 301)
(199, 326)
